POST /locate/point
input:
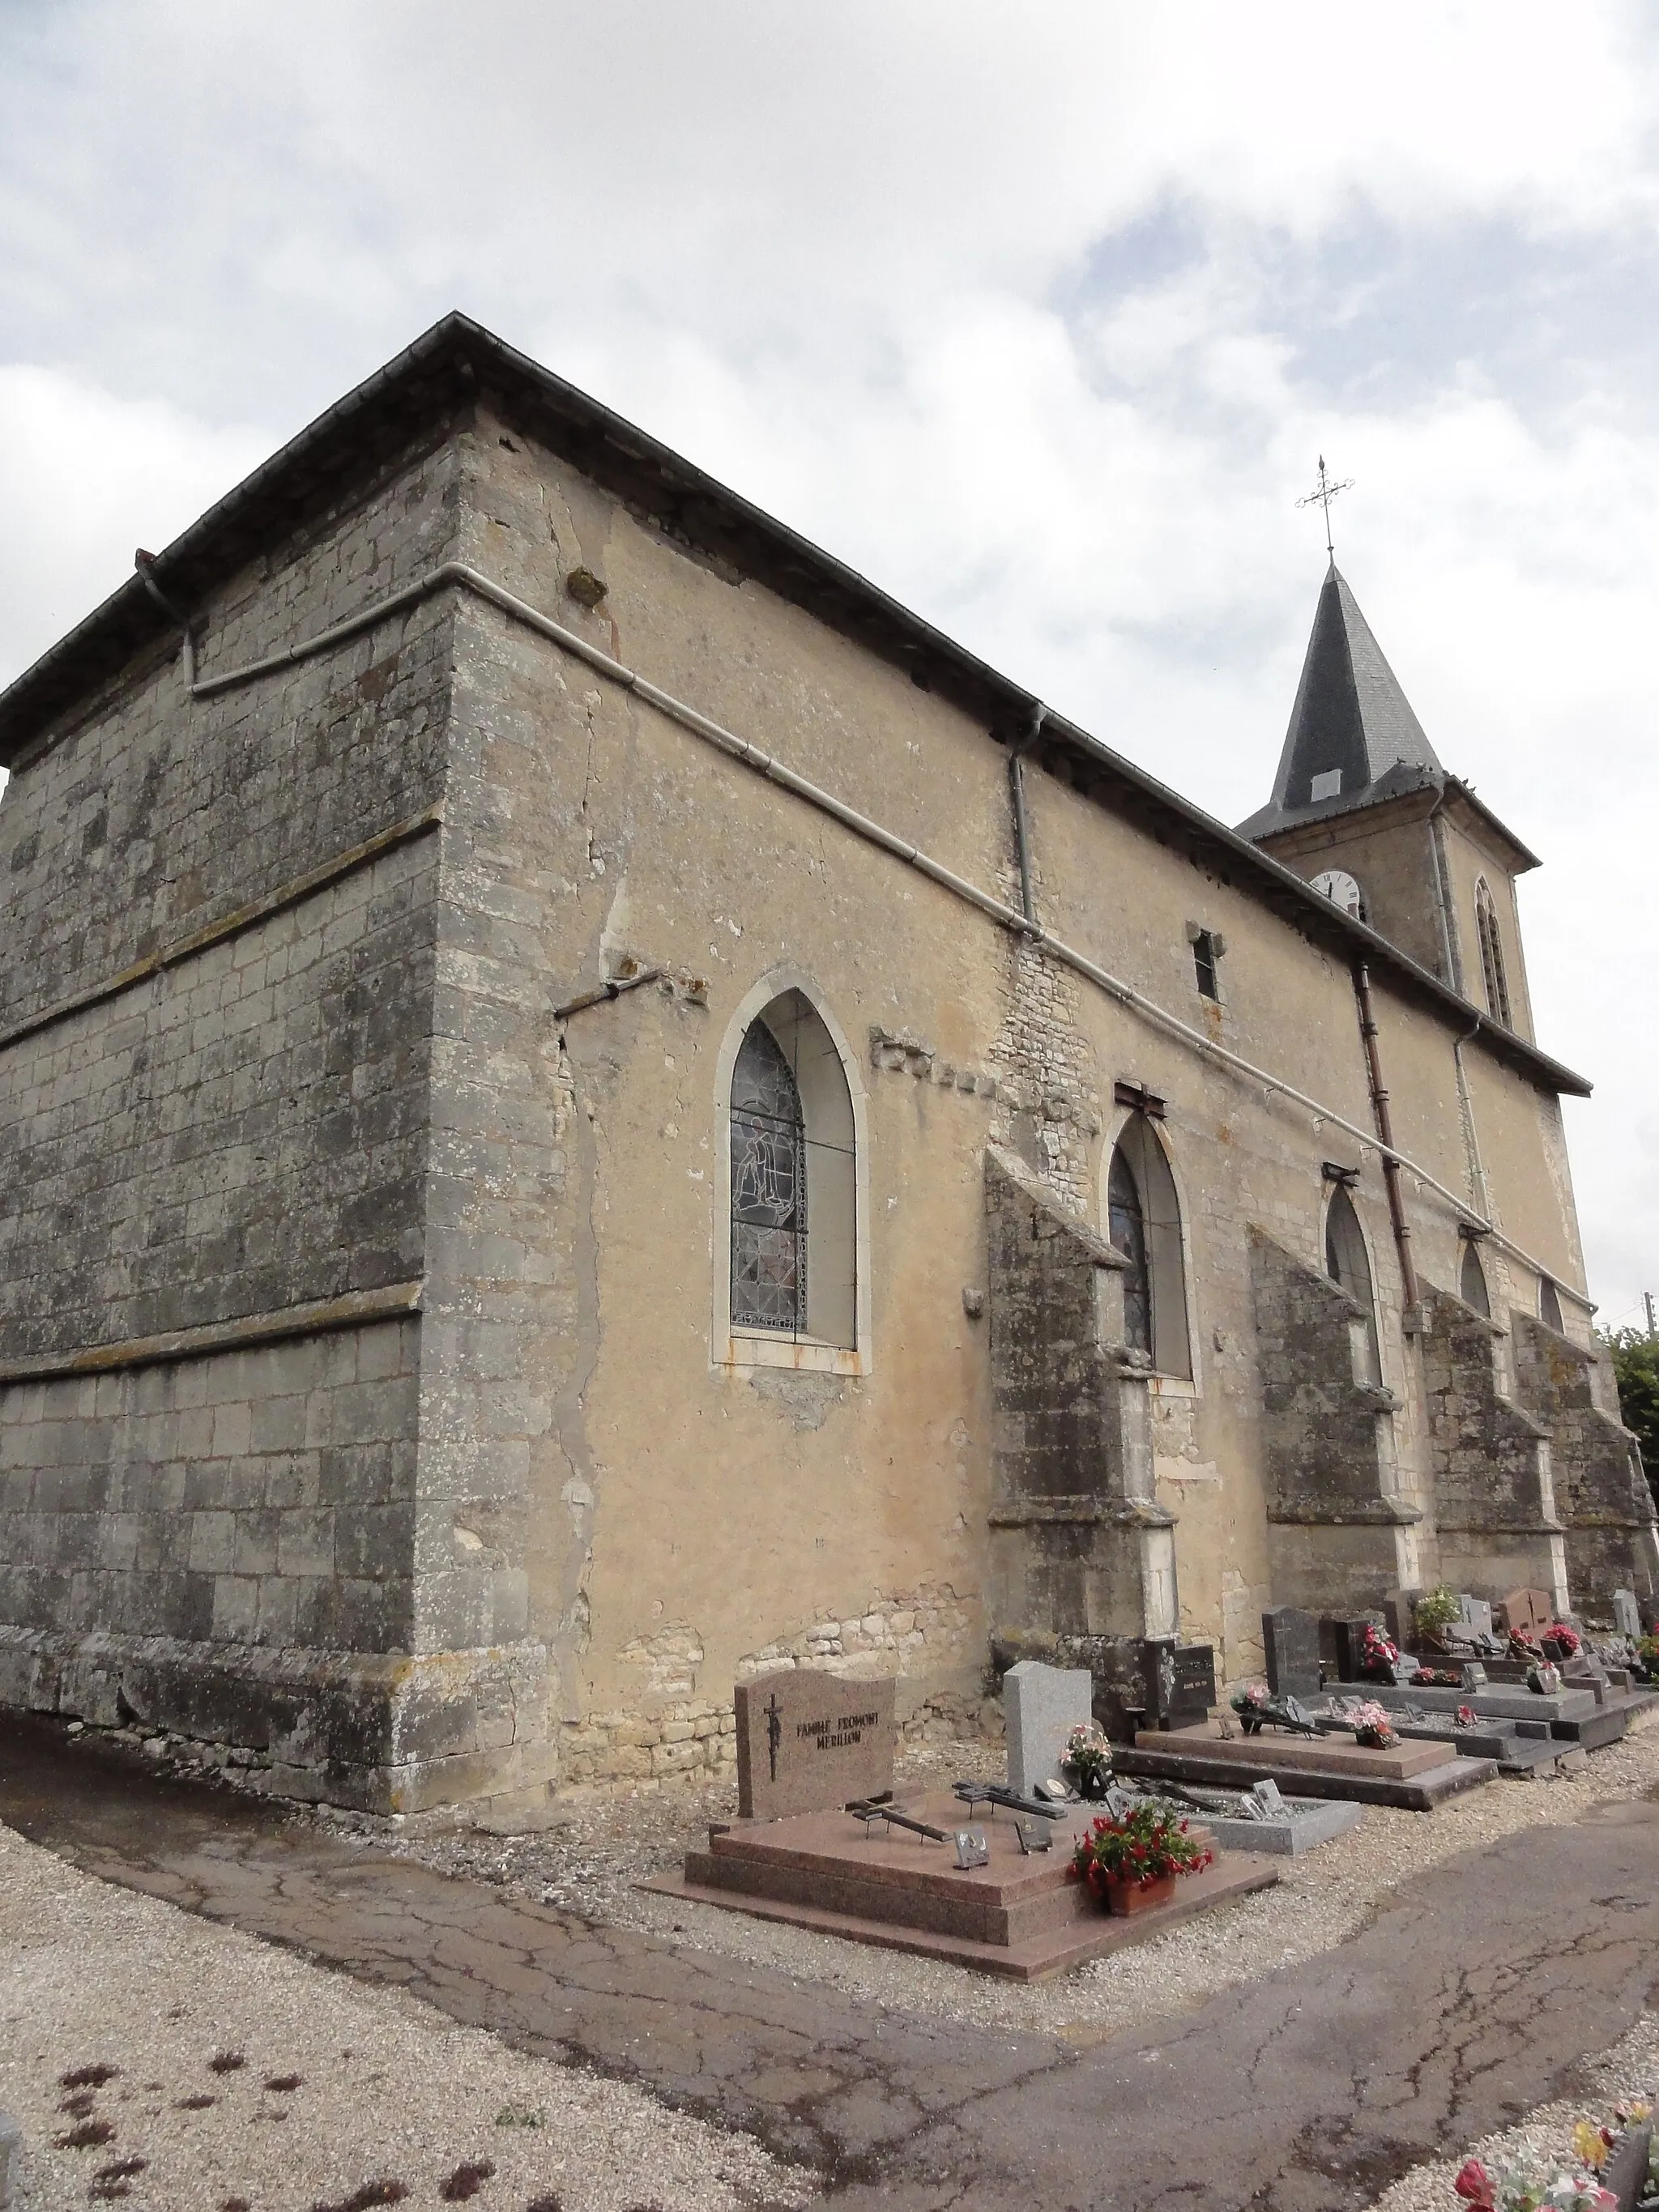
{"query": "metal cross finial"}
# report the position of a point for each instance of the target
(1326, 493)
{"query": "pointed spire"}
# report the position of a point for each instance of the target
(1351, 728)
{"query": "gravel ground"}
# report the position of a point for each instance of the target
(246, 2078)
(592, 1862)
(1630, 2069)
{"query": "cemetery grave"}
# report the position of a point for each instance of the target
(981, 1876)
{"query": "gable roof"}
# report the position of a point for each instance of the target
(1353, 722)
(424, 390)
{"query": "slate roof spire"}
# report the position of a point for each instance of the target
(1353, 738)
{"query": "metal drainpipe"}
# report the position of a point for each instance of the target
(1403, 1232)
(143, 563)
(1022, 827)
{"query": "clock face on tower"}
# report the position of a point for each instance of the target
(1340, 887)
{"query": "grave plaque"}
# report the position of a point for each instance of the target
(1473, 1676)
(1347, 1641)
(1477, 1614)
(1627, 1615)
(972, 1850)
(1291, 1638)
(808, 1742)
(1530, 1609)
(1177, 1682)
(1040, 1706)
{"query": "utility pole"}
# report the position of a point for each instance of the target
(1647, 1300)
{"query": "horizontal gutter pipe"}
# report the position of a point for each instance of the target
(467, 578)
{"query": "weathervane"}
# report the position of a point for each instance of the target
(1326, 493)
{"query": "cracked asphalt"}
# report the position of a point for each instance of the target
(1471, 2000)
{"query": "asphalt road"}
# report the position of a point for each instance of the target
(1472, 1999)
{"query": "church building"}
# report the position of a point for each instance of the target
(589, 1108)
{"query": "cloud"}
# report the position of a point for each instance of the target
(1038, 319)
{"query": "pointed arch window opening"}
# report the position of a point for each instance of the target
(1491, 955)
(1472, 1281)
(793, 1206)
(1143, 1223)
(1348, 1265)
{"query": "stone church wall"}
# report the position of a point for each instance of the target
(215, 1071)
(580, 1506)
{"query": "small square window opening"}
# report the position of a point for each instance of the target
(1327, 786)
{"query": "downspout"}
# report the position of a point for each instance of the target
(143, 563)
(1410, 1320)
(1022, 826)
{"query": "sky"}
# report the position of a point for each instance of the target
(1040, 319)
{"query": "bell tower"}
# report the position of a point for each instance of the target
(1363, 809)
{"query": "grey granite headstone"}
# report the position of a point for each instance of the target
(1477, 1614)
(1040, 1706)
(1627, 1615)
(11, 2162)
(1269, 1804)
(1291, 1638)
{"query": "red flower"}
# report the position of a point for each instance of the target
(1474, 2184)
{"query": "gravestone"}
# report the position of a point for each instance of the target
(1347, 1640)
(1627, 1615)
(1040, 1706)
(1177, 1682)
(808, 1742)
(1473, 1675)
(11, 2162)
(1477, 1614)
(1291, 1638)
(1530, 1609)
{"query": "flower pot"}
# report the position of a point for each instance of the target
(1123, 1897)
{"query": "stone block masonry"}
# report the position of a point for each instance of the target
(216, 1022)
(261, 1498)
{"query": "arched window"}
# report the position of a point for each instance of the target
(1472, 1280)
(1347, 1262)
(1143, 1216)
(1491, 955)
(1549, 1306)
(794, 1269)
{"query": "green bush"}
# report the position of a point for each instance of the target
(1635, 1358)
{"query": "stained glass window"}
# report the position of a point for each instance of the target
(768, 1190)
(1127, 1231)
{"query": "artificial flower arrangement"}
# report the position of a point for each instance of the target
(1544, 1675)
(1436, 1610)
(1647, 1657)
(1371, 1726)
(1525, 1647)
(1437, 1678)
(1466, 1717)
(1377, 1655)
(1086, 1761)
(1249, 1697)
(1566, 1639)
(1132, 1861)
(1526, 2184)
